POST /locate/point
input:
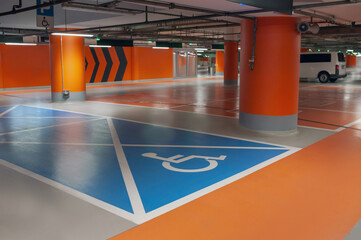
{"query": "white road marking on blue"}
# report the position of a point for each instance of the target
(143, 169)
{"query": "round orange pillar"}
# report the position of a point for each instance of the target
(351, 60)
(269, 92)
(219, 62)
(231, 63)
(67, 63)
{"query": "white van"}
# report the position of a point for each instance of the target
(326, 66)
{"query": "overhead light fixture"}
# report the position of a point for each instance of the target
(201, 49)
(21, 44)
(349, 50)
(72, 34)
(101, 46)
(160, 47)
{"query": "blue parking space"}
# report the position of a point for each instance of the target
(147, 134)
(159, 185)
(94, 131)
(27, 111)
(162, 166)
(5, 108)
(93, 170)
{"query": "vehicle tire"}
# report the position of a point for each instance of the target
(324, 77)
(333, 79)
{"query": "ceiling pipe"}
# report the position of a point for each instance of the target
(20, 5)
(240, 14)
(95, 8)
(44, 5)
(104, 8)
(325, 4)
(180, 7)
(328, 19)
(159, 22)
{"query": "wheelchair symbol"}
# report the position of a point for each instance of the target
(180, 158)
(45, 22)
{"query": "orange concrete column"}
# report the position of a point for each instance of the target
(67, 64)
(351, 60)
(269, 92)
(1, 66)
(231, 63)
(219, 61)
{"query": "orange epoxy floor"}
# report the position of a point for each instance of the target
(312, 194)
(326, 107)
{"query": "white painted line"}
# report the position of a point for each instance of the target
(316, 128)
(204, 191)
(9, 110)
(96, 202)
(168, 109)
(348, 125)
(212, 134)
(56, 117)
(184, 129)
(132, 189)
(56, 125)
(218, 147)
(326, 104)
(329, 110)
(55, 143)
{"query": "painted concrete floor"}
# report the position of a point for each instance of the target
(92, 170)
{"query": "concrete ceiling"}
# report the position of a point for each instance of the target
(191, 29)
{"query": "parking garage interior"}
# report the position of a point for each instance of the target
(178, 119)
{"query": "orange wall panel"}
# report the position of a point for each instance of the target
(149, 63)
(129, 56)
(351, 60)
(1, 69)
(25, 66)
(29, 66)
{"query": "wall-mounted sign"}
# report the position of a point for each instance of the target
(282, 6)
(44, 16)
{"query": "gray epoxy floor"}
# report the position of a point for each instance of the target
(33, 210)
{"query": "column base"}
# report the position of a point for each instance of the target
(73, 96)
(268, 123)
(231, 82)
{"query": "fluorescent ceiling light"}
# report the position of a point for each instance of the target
(73, 34)
(22, 44)
(349, 51)
(201, 49)
(161, 47)
(102, 46)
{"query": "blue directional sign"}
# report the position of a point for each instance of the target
(45, 16)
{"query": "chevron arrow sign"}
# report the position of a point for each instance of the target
(104, 64)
